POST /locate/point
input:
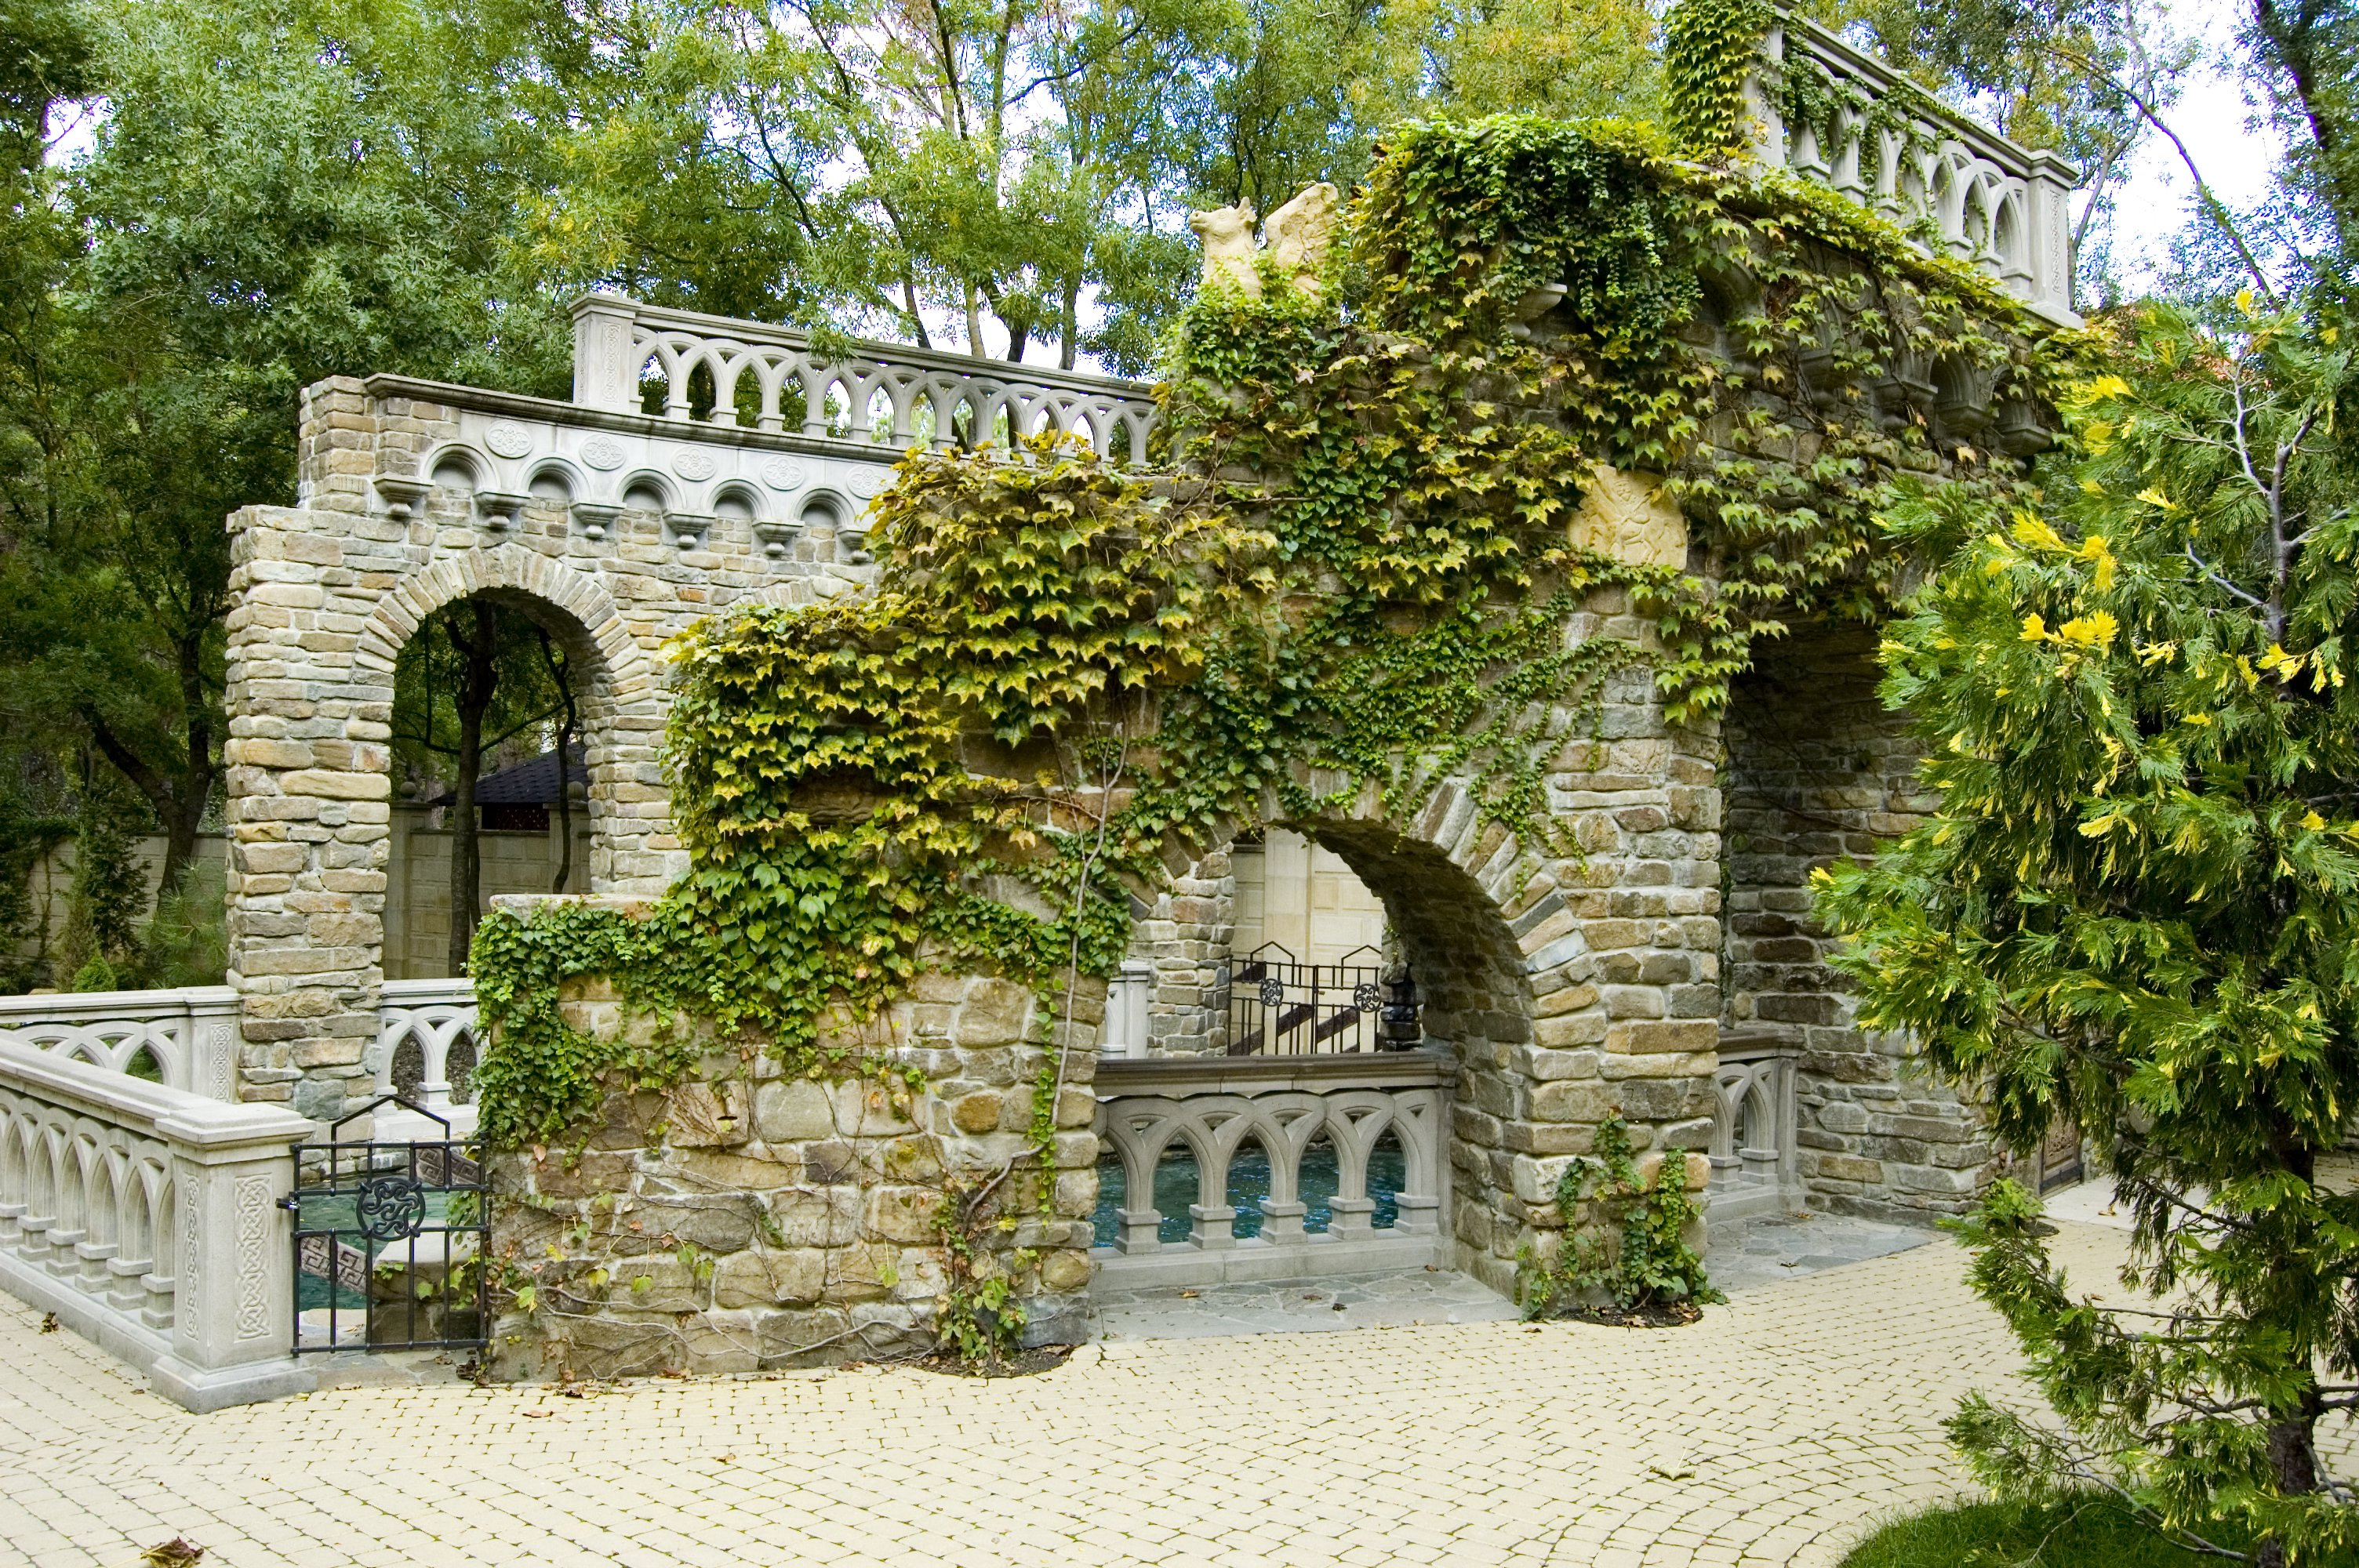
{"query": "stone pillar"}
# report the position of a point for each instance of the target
(215, 1042)
(1187, 938)
(605, 373)
(233, 1309)
(309, 761)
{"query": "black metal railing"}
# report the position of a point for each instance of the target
(390, 1241)
(1279, 1006)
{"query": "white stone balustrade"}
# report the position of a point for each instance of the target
(191, 1036)
(1891, 148)
(1755, 1165)
(429, 1025)
(146, 1218)
(1215, 1105)
(882, 394)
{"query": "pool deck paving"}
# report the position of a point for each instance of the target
(1775, 1430)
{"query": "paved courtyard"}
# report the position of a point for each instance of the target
(1771, 1432)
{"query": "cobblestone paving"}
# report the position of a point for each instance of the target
(1771, 1432)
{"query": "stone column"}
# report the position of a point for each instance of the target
(234, 1308)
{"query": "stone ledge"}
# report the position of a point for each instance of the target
(1424, 1068)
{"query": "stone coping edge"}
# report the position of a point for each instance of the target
(1265, 1074)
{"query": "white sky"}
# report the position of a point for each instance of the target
(2212, 118)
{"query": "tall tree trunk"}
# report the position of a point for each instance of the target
(178, 798)
(478, 675)
(1070, 323)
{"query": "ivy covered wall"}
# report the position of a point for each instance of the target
(1449, 565)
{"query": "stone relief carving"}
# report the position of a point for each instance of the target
(1228, 236)
(189, 1264)
(1626, 516)
(253, 1269)
(1299, 233)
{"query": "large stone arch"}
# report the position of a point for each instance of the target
(1569, 979)
(412, 495)
(311, 691)
(632, 847)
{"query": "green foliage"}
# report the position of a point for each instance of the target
(979, 1315)
(1704, 316)
(1067, 670)
(272, 194)
(2083, 1530)
(1624, 1236)
(108, 899)
(187, 940)
(2135, 909)
(840, 820)
(28, 834)
(1710, 47)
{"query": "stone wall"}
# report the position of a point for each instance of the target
(413, 496)
(1819, 770)
(750, 1219)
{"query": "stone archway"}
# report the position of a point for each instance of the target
(632, 850)
(1566, 986)
(1567, 982)
(310, 783)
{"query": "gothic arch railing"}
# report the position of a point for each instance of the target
(1215, 1107)
(184, 1039)
(146, 1217)
(1754, 1149)
(1958, 188)
(425, 1052)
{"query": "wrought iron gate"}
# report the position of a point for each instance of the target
(1279, 1007)
(390, 1239)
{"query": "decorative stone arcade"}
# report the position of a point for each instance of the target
(613, 528)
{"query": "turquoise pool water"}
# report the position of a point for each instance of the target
(1175, 1178)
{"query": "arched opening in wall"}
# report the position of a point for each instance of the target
(1387, 1178)
(1813, 769)
(504, 689)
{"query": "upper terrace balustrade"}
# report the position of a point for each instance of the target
(1883, 142)
(881, 393)
(764, 451)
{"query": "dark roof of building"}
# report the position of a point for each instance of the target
(531, 783)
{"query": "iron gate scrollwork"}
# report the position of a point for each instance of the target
(1279, 1007)
(390, 1239)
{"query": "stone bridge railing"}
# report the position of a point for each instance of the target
(146, 1218)
(1886, 143)
(187, 1040)
(426, 1045)
(1215, 1107)
(880, 394)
